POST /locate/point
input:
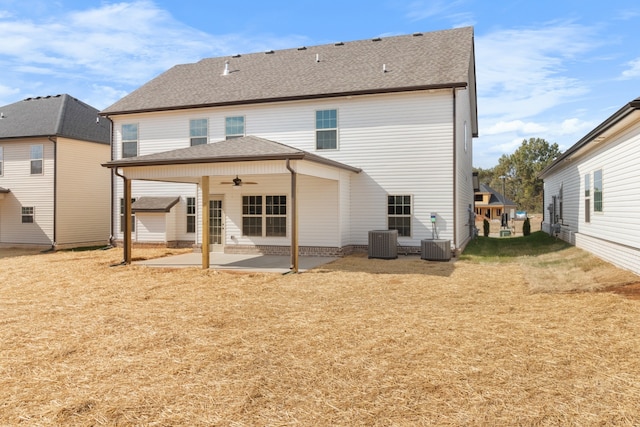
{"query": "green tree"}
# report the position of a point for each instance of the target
(521, 170)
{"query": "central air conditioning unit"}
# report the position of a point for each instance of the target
(436, 250)
(383, 244)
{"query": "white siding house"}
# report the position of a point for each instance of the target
(53, 190)
(329, 142)
(589, 194)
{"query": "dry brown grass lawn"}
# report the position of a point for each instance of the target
(356, 342)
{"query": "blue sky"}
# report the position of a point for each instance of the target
(548, 69)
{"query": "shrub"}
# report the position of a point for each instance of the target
(526, 227)
(485, 228)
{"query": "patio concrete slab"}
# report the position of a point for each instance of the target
(247, 263)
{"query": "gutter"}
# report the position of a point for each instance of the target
(452, 85)
(610, 122)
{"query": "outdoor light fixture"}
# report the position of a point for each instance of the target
(237, 183)
(476, 182)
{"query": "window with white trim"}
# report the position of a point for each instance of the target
(130, 140)
(37, 153)
(264, 216)
(1, 161)
(191, 214)
(234, 127)
(587, 198)
(399, 214)
(326, 129)
(133, 216)
(28, 214)
(198, 131)
(597, 191)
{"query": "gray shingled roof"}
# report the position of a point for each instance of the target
(59, 115)
(496, 198)
(248, 148)
(421, 61)
(154, 204)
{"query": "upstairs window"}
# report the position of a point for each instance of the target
(129, 140)
(1, 161)
(198, 131)
(27, 215)
(399, 214)
(597, 191)
(327, 129)
(234, 127)
(36, 159)
(191, 214)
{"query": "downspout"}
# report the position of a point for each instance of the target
(294, 219)
(55, 190)
(455, 173)
(112, 225)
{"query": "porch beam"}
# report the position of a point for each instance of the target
(204, 186)
(294, 218)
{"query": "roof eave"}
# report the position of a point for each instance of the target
(288, 98)
(616, 117)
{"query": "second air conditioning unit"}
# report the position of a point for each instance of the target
(383, 244)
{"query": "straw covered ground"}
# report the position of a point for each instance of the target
(356, 342)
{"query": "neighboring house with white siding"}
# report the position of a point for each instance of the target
(589, 191)
(326, 142)
(53, 190)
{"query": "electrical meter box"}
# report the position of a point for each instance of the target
(433, 217)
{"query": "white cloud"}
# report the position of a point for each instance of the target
(633, 71)
(514, 126)
(125, 43)
(574, 127)
(419, 10)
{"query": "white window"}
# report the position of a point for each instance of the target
(587, 198)
(198, 131)
(327, 129)
(597, 191)
(129, 140)
(36, 159)
(264, 216)
(234, 127)
(1, 161)
(27, 215)
(191, 214)
(399, 214)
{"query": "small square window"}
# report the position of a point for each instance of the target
(27, 215)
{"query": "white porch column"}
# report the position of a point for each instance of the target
(204, 186)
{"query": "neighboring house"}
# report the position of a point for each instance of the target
(491, 205)
(589, 195)
(53, 190)
(307, 148)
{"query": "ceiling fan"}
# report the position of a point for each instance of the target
(237, 182)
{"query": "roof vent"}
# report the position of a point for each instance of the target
(417, 34)
(237, 55)
(339, 44)
(317, 57)
(226, 68)
(377, 39)
(2, 116)
(384, 68)
(269, 52)
(302, 48)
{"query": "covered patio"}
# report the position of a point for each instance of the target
(204, 165)
(239, 262)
